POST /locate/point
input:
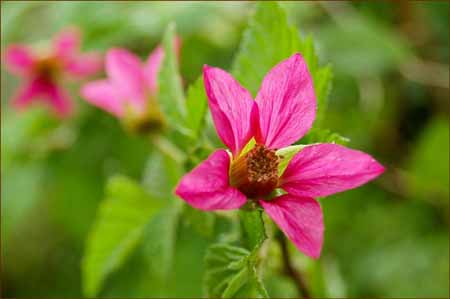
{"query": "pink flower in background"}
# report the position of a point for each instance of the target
(42, 73)
(131, 86)
(283, 111)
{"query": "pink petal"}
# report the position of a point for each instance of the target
(19, 59)
(56, 97)
(26, 94)
(125, 73)
(59, 100)
(286, 102)
(206, 187)
(67, 43)
(231, 108)
(152, 67)
(102, 94)
(324, 169)
(84, 65)
(300, 218)
(154, 62)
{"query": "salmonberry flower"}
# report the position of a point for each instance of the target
(130, 91)
(282, 113)
(43, 72)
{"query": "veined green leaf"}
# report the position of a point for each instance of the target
(170, 96)
(117, 231)
(269, 39)
(231, 273)
(196, 107)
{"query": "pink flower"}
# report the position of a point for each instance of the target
(283, 111)
(42, 73)
(131, 87)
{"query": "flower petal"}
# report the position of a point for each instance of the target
(207, 186)
(152, 67)
(102, 94)
(324, 169)
(125, 72)
(300, 218)
(286, 102)
(56, 97)
(153, 64)
(59, 100)
(231, 108)
(19, 59)
(26, 94)
(67, 43)
(84, 65)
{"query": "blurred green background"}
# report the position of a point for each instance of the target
(390, 91)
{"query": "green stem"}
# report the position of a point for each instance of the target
(289, 268)
(168, 148)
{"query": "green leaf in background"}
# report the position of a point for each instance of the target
(170, 94)
(201, 222)
(252, 227)
(269, 39)
(429, 165)
(231, 273)
(160, 175)
(119, 227)
(316, 135)
(196, 107)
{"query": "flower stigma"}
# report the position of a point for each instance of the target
(255, 173)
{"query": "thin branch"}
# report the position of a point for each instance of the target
(168, 148)
(290, 270)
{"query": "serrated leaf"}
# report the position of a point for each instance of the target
(170, 95)
(117, 230)
(269, 39)
(231, 273)
(159, 242)
(197, 105)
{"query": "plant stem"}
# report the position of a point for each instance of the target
(290, 270)
(168, 148)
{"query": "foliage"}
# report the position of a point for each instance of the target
(118, 229)
(84, 192)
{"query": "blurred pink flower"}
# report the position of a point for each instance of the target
(283, 111)
(131, 86)
(42, 73)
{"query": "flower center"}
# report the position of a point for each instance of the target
(48, 68)
(255, 173)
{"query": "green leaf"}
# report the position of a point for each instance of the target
(252, 227)
(322, 86)
(196, 107)
(269, 39)
(316, 135)
(159, 242)
(429, 164)
(201, 222)
(160, 175)
(117, 230)
(170, 94)
(231, 273)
